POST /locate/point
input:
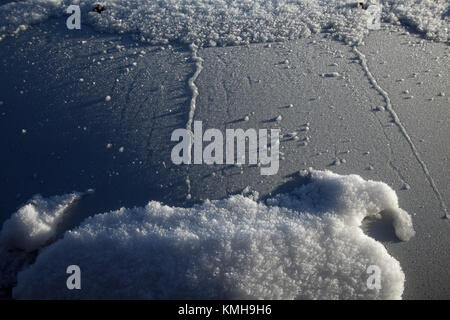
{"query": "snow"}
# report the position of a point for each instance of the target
(35, 223)
(305, 244)
(220, 22)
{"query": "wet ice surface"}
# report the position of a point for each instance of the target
(61, 133)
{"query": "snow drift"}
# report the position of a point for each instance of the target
(228, 22)
(307, 244)
(32, 227)
(35, 223)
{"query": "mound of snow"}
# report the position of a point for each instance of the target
(429, 17)
(307, 244)
(35, 223)
(220, 22)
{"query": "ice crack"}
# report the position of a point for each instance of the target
(402, 128)
(192, 105)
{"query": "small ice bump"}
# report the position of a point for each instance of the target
(331, 75)
(336, 162)
(246, 190)
(24, 131)
(303, 173)
(121, 149)
(406, 186)
(108, 98)
(246, 118)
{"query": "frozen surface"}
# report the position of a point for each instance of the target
(307, 244)
(61, 133)
(228, 22)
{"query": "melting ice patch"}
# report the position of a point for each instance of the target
(231, 22)
(304, 245)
